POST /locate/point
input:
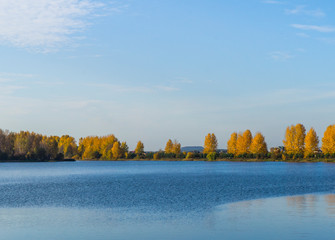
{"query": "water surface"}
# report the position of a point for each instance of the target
(165, 200)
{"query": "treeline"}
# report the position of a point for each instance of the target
(296, 145)
(32, 146)
(243, 145)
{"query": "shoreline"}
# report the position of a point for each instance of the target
(182, 160)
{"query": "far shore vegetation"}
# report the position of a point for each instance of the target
(243, 146)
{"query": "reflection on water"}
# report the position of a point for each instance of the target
(293, 217)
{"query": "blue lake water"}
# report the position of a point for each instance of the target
(167, 200)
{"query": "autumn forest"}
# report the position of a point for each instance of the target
(297, 145)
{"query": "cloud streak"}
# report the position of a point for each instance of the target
(272, 2)
(44, 24)
(301, 10)
(323, 29)
(133, 89)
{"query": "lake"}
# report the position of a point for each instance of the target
(167, 200)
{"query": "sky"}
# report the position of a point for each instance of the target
(154, 70)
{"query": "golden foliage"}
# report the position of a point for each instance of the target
(67, 145)
(294, 142)
(231, 144)
(94, 147)
(139, 150)
(243, 143)
(328, 140)
(210, 144)
(176, 147)
(116, 150)
(311, 142)
(258, 145)
(169, 146)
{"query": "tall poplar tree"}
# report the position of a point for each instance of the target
(243, 143)
(139, 150)
(289, 140)
(328, 140)
(311, 142)
(169, 146)
(176, 147)
(258, 144)
(231, 144)
(116, 150)
(211, 143)
(300, 134)
(294, 142)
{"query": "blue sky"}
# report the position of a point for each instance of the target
(152, 70)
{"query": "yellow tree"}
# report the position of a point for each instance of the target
(239, 144)
(258, 145)
(231, 144)
(300, 134)
(139, 150)
(116, 150)
(243, 142)
(169, 146)
(176, 147)
(294, 142)
(311, 142)
(210, 144)
(289, 140)
(67, 145)
(328, 140)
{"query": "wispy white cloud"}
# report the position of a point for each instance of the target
(12, 82)
(133, 89)
(324, 29)
(302, 10)
(16, 75)
(44, 24)
(280, 55)
(272, 2)
(167, 88)
(9, 89)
